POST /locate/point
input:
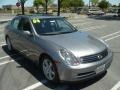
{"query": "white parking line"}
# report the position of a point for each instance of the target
(6, 62)
(93, 28)
(80, 24)
(36, 85)
(2, 45)
(4, 57)
(117, 86)
(86, 23)
(76, 21)
(110, 34)
(7, 56)
(112, 38)
(5, 20)
(2, 42)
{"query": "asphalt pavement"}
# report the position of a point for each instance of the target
(19, 73)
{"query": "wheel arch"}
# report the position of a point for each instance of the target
(47, 55)
(41, 56)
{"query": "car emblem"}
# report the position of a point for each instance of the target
(100, 56)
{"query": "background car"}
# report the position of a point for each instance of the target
(95, 12)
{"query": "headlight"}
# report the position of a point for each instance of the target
(69, 58)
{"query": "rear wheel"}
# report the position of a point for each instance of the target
(49, 70)
(9, 45)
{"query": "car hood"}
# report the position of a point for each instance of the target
(79, 43)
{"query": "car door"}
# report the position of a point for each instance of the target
(27, 39)
(14, 32)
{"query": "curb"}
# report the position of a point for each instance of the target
(4, 21)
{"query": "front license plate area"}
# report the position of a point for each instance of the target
(100, 69)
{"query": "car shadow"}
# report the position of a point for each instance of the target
(83, 84)
(37, 73)
(105, 17)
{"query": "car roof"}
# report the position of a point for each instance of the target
(39, 16)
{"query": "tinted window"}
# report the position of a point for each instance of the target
(15, 23)
(24, 25)
(52, 26)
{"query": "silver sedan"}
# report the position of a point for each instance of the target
(62, 52)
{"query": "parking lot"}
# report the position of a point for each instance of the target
(18, 73)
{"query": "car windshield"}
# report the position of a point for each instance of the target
(52, 26)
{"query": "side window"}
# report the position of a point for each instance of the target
(15, 23)
(24, 25)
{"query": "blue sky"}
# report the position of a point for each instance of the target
(30, 2)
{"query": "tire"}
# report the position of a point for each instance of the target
(9, 44)
(49, 69)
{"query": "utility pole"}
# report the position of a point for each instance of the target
(46, 6)
(59, 4)
(22, 6)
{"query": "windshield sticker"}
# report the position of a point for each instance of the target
(36, 21)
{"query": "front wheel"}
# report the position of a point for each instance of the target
(49, 70)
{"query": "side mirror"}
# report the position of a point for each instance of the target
(28, 33)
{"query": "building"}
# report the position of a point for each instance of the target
(9, 7)
(14, 9)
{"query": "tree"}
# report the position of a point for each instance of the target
(47, 2)
(103, 4)
(65, 3)
(44, 4)
(72, 3)
(94, 2)
(69, 3)
(37, 3)
(77, 3)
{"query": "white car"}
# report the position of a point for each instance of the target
(95, 12)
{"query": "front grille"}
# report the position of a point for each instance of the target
(95, 57)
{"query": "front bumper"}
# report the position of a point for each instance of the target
(83, 71)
